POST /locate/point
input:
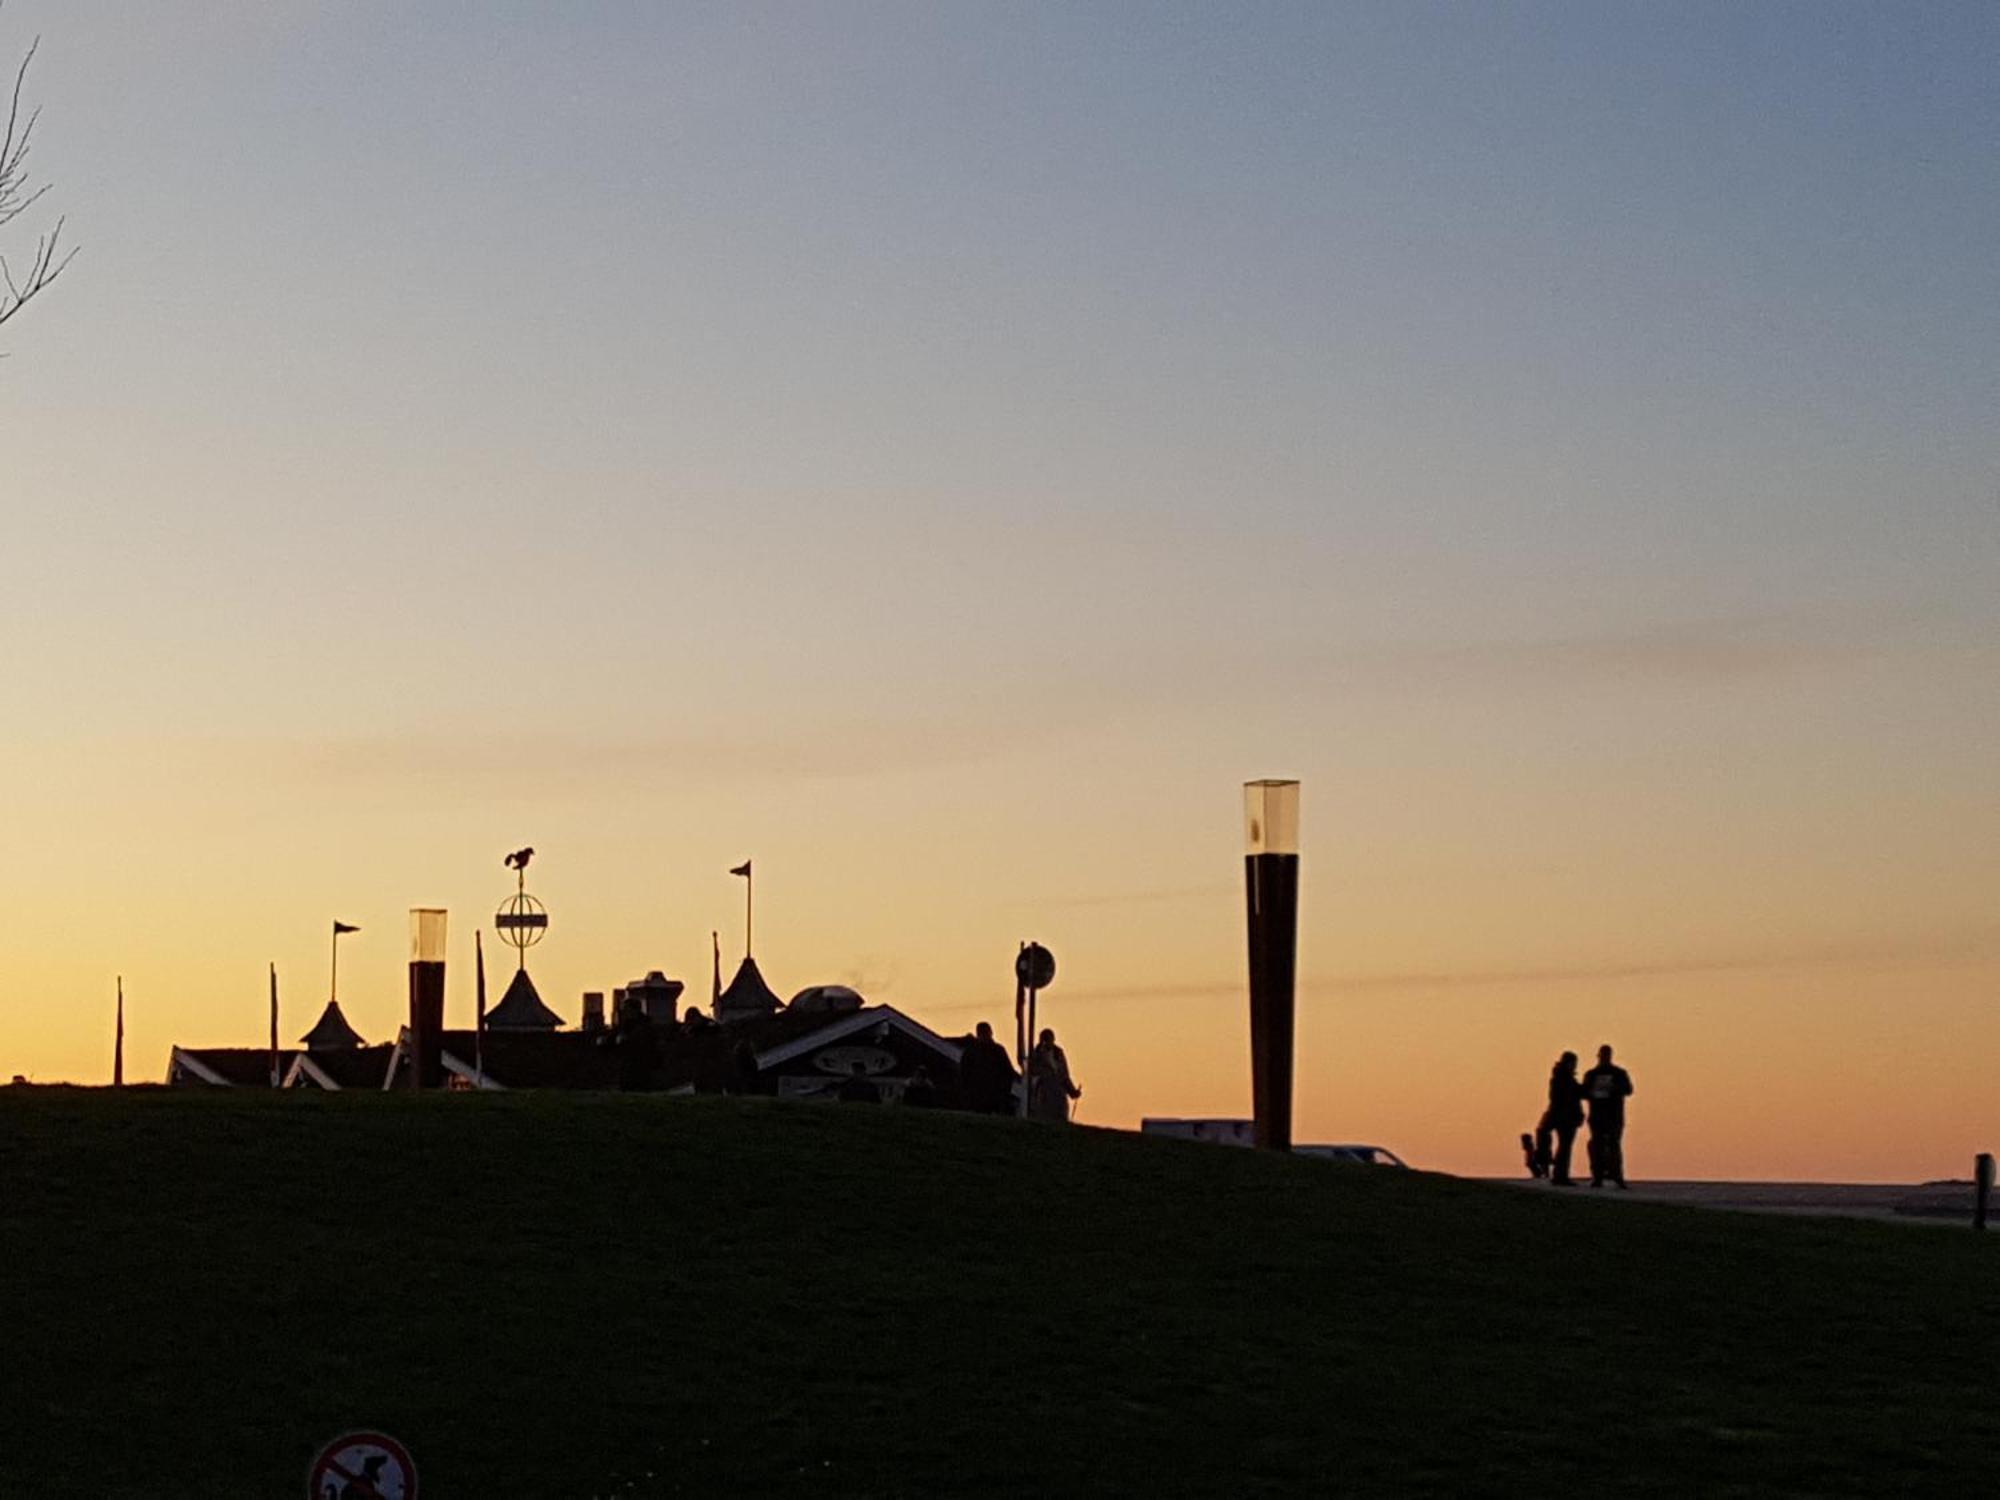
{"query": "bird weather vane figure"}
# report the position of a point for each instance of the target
(522, 921)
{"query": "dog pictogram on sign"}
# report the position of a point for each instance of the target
(363, 1466)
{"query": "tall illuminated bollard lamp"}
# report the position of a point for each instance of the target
(426, 1059)
(1271, 889)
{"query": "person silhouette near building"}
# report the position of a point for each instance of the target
(920, 1092)
(1050, 1087)
(638, 1051)
(856, 1089)
(743, 1069)
(986, 1074)
(1557, 1137)
(1607, 1086)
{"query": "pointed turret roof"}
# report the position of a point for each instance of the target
(747, 995)
(331, 1031)
(521, 1008)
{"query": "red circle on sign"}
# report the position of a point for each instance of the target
(363, 1466)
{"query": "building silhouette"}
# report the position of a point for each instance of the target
(754, 1043)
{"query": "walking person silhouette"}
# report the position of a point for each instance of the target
(1607, 1086)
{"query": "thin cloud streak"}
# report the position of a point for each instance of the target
(1721, 650)
(825, 751)
(1724, 649)
(1946, 948)
(1732, 650)
(1128, 898)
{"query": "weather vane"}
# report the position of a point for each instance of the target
(522, 921)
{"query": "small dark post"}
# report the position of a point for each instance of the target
(1271, 891)
(1982, 1187)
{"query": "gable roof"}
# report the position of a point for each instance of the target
(849, 1025)
(226, 1067)
(342, 1068)
(521, 1008)
(331, 1031)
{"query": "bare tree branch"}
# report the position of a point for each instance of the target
(48, 259)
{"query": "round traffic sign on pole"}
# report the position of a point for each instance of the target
(1036, 967)
(362, 1466)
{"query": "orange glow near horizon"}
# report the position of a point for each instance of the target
(1839, 1059)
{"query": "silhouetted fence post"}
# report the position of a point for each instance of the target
(1982, 1187)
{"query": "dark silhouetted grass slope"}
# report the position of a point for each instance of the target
(550, 1296)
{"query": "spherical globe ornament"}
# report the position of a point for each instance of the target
(522, 921)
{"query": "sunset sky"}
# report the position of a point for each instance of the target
(942, 451)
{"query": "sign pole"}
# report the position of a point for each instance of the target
(1021, 1023)
(1034, 968)
(479, 1020)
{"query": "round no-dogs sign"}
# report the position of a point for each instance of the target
(363, 1466)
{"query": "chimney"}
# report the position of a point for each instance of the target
(593, 1010)
(427, 932)
(657, 996)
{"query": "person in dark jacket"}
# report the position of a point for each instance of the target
(743, 1069)
(1607, 1086)
(1564, 1119)
(920, 1092)
(638, 1051)
(986, 1074)
(857, 1089)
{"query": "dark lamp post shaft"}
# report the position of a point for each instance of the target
(427, 952)
(1271, 900)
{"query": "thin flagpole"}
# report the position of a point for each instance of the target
(479, 1024)
(749, 895)
(118, 1048)
(274, 1025)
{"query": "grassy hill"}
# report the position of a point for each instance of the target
(578, 1296)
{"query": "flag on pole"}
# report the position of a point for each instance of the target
(749, 890)
(274, 1025)
(339, 927)
(118, 1048)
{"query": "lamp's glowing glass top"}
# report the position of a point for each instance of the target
(427, 924)
(1271, 817)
